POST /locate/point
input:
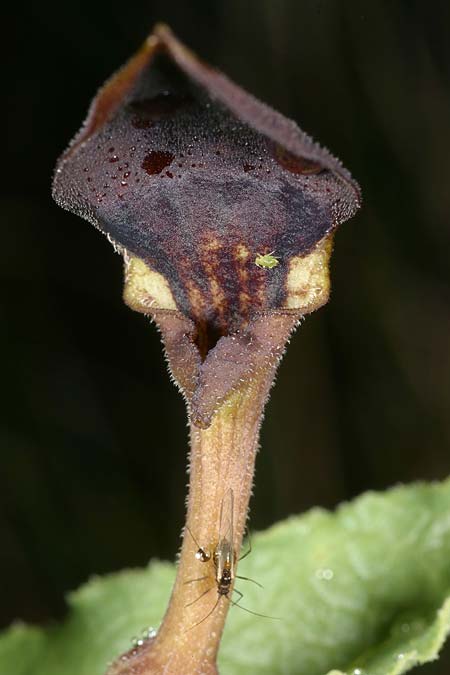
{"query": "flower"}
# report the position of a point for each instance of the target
(224, 211)
(191, 178)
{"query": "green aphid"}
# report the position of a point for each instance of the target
(268, 261)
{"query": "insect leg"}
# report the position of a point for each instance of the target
(248, 579)
(193, 538)
(241, 595)
(249, 547)
(191, 581)
(200, 596)
(236, 604)
(208, 615)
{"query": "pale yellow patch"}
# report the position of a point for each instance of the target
(218, 296)
(244, 301)
(211, 244)
(308, 278)
(144, 288)
(196, 297)
(241, 253)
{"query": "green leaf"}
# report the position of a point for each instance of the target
(365, 590)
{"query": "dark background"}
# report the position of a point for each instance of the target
(93, 434)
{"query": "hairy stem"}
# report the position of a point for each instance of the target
(226, 393)
(222, 458)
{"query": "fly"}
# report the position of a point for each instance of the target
(224, 559)
(224, 556)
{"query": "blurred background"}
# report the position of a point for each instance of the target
(93, 435)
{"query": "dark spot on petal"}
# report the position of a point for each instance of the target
(249, 167)
(141, 123)
(294, 164)
(150, 110)
(156, 161)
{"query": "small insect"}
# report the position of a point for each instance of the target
(224, 559)
(224, 556)
(266, 260)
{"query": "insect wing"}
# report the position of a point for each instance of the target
(226, 518)
(224, 556)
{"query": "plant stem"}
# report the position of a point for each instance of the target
(226, 393)
(222, 458)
